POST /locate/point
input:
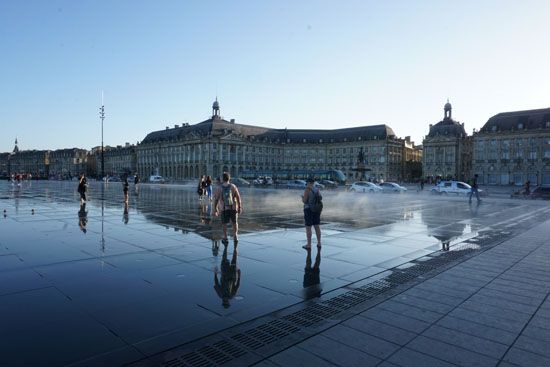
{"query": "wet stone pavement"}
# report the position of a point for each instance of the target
(150, 283)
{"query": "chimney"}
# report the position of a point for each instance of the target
(167, 128)
(232, 121)
(126, 145)
(408, 139)
(176, 126)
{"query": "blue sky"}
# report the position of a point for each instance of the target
(295, 64)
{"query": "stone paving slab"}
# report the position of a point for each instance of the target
(486, 318)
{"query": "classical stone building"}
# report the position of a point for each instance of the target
(34, 162)
(447, 149)
(66, 163)
(514, 147)
(217, 145)
(119, 160)
(4, 165)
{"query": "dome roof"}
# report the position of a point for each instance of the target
(216, 105)
(447, 127)
(448, 106)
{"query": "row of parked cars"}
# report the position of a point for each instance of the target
(366, 186)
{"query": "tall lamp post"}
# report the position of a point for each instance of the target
(102, 116)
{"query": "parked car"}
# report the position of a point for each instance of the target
(364, 186)
(296, 184)
(156, 179)
(318, 185)
(392, 187)
(263, 181)
(329, 184)
(541, 192)
(240, 182)
(454, 187)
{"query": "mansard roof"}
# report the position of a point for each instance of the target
(518, 120)
(447, 127)
(217, 127)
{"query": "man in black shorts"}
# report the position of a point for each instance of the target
(229, 198)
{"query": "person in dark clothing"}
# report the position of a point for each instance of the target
(527, 188)
(82, 188)
(125, 186)
(474, 190)
(136, 183)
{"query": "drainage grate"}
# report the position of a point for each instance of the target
(238, 345)
(247, 341)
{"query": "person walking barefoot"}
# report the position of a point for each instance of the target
(311, 218)
(229, 197)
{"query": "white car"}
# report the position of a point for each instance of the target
(364, 186)
(263, 181)
(296, 184)
(452, 187)
(156, 179)
(392, 187)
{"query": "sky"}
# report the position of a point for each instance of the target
(311, 64)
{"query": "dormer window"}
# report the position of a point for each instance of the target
(304, 140)
(494, 128)
(520, 126)
(547, 123)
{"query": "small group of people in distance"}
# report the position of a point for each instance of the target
(227, 203)
(204, 189)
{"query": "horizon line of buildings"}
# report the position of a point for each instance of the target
(511, 148)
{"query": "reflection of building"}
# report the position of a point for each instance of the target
(65, 163)
(4, 164)
(514, 147)
(119, 161)
(218, 145)
(447, 150)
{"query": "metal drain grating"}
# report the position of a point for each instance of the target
(214, 355)
(247, 341)
(230, 349)
(238, 345)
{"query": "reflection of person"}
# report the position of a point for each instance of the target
(230, 278)
(215, 247)
(229, 198)
(312, 274)
(82, 217)
(474, 189)
(311, 218)
(125, 216)
(82, 188)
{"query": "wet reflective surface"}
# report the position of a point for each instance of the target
(127, 281)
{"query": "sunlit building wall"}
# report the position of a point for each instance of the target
(447, 149)
(217, 145)
(514, 147)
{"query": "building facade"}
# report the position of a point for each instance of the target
(67, 163)
(447, 149)
(514, 147)
(119, 160)
(217, 145)
(30, 162)
(4, 165)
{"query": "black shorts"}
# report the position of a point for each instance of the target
(311, 218)
(229, 215)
